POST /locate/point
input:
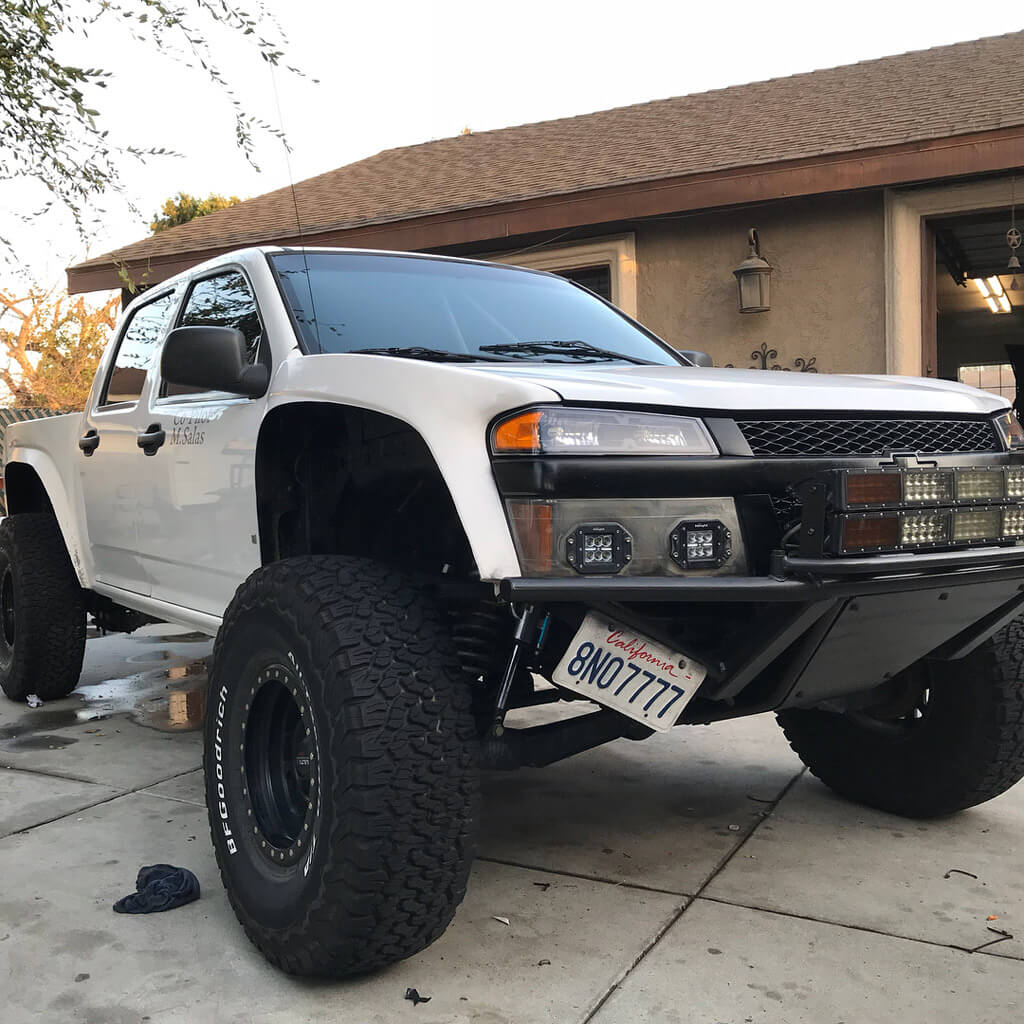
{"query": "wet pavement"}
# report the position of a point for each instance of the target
(695, 877)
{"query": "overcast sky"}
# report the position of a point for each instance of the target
(395, 73)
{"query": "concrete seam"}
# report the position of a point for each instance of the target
(618, 884)
(851, 926)
(722, 864)
(173, 799)
(66, 776)
(94, 805)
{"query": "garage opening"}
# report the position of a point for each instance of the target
(979, 303)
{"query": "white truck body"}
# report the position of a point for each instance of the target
(173, 536)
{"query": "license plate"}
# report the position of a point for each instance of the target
(628, 672)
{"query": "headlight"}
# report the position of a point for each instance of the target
(560, 430)
(1010, 431)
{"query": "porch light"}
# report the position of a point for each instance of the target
(754, 277)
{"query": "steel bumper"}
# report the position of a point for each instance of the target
(794, 579)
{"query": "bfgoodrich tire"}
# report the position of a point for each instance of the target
(951, 736)
(42, 610)
(341, 765)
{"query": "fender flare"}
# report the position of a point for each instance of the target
(46, 470)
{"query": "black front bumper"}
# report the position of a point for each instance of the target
(825, 628)
(794, 579)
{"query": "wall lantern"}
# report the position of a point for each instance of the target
(754, 277)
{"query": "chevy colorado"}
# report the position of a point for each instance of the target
(409, 494)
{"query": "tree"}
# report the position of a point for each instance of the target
(182, 208)
(50, 130)
(52, 345)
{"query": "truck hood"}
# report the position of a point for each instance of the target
(728, 390)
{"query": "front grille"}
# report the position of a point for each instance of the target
(818, 437)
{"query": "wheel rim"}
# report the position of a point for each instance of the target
(281, 766)
(7, 609)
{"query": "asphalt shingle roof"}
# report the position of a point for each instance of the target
(928, 94)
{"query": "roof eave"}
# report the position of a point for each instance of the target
(918, 161)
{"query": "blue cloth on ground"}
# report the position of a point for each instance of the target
(160, 887)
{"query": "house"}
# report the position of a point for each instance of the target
(885, 195)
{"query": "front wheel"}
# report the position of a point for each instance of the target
(341, 765)
(949, 735)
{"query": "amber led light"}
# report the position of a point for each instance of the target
(871, 532)
(873, 489)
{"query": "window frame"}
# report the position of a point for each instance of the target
(263, 351)
(617, 252)
(102, 405)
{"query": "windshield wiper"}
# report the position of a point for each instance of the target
(572, 349)
(437, 355)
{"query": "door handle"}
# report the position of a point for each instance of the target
(89, 442)
(151, 438)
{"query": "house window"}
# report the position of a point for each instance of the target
(606, 266)
(996, 378)
(597, 279)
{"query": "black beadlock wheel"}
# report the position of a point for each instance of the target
(42, 610)
(949, 735)
(341, 765)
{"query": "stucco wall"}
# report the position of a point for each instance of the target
(828, 285)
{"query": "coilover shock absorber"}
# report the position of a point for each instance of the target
(481, 633)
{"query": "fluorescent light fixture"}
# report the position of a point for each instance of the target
(994, 286)
(982, 287)
(1004, 302)
(992, 304)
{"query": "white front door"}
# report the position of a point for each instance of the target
(198, 527)
(198, 531)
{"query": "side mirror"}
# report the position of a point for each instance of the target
(214, 359)
(697, 358)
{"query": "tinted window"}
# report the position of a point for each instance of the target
(343, 302)
(135, 353)
(221, 301)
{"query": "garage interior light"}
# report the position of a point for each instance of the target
(991, 289)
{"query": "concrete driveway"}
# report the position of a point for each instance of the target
(700, 876)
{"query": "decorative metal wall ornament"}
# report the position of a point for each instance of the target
(764, 355)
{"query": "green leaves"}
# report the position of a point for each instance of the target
(49, 120)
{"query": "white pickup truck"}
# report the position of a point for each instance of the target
(409, 494)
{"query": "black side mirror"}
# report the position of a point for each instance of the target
(214, 359)
(697, 358)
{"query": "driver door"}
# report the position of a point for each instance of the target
(198, 527)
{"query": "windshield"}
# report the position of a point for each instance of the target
(354, 301)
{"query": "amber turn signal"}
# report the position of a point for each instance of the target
(519, 434)
(874, 489)
(871, 532)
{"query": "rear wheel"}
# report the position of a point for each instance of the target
(949, 735)
(42, 610)
(341, 765)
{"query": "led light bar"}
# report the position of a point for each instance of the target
(978, 524)
(864, 532)
(896, 488)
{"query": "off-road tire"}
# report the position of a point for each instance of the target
(967, 748)
(391, 817)
(42, 610)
